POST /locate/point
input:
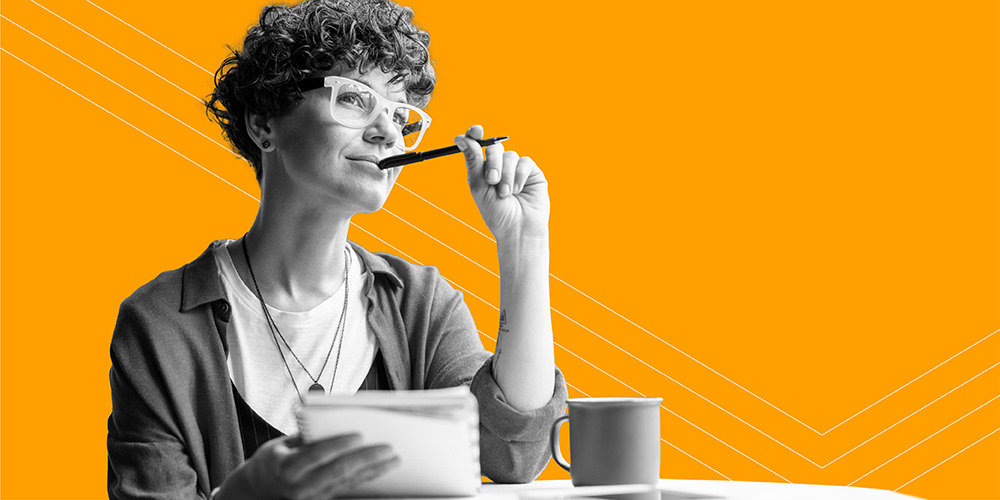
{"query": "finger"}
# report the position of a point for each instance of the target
(525, 166)
(335, 474)
(472, 151)
(506, 186)
(311, 456)
(367, 473)
(375, 470)
(467, 143)
(475, 132)
(494, 163)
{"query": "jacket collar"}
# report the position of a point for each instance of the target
(201, 283)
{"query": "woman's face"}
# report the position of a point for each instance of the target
(318, 158)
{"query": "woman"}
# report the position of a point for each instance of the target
(209, 361)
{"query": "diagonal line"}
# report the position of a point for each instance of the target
(446, 212)
(595, 300)
(118, 51)
(912, 381)
(151, 38)
(355, 225)
(130, 125)
(912, 414)
(116, 83)
(925, 439)
(440, 242)
(949, 458)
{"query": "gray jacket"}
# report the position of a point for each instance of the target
(173, 430)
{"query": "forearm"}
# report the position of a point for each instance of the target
(524, 365)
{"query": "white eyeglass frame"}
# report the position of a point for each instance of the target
(334, 83)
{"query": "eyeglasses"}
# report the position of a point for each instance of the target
(356, 105)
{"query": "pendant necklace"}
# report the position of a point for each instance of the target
(338, 337)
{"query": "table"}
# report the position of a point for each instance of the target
(683, 489)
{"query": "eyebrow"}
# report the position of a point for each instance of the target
(406, 99)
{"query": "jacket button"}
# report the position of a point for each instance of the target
(224, 311)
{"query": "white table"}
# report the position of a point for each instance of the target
(689, 489)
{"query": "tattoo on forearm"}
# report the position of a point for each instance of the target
(496, 363)
(496, 355)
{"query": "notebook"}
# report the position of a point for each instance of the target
(434, 432)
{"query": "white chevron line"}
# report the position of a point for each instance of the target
(116, 50)
(912, 414)
(947, 459)
(476, 263)
(914, 380)
(925, 439)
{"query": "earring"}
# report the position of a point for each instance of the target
(266, 144)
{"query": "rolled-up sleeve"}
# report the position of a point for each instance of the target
(514, 445)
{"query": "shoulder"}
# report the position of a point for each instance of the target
(165, 311)
(398, 272)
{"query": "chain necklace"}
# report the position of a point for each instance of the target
(338, 337)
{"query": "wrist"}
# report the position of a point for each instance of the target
(519, 240)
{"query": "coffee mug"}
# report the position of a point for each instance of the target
(612, 441)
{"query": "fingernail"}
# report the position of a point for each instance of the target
(505, 190)
(493, 176)
(460, 143)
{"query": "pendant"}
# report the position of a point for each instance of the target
(317, 388)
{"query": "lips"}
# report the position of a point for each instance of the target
(369, 158)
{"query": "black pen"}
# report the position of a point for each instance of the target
(407, 158)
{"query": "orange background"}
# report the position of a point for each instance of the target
(800, 198)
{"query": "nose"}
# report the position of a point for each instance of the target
(383, 131)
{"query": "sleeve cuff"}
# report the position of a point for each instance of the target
(505, 421)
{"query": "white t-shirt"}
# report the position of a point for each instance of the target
(256, 367)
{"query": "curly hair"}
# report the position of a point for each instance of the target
(291, 43)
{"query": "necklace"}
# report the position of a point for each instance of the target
(338, 337)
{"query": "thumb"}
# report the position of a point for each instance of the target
(474, 162)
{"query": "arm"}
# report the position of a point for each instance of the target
(524, 359)
(512, 196)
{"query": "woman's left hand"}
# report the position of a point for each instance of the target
(511, 192)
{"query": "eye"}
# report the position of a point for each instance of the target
(352, 99)
(401, 117)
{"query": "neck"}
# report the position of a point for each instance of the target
(297, 255)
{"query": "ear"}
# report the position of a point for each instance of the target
(260, 132)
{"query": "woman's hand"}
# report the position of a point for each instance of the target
(511, 191)
(285, 468)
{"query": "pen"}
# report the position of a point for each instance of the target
(407, 158)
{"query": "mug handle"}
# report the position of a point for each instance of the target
(554, 443)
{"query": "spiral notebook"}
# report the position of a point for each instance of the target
(434, 432)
